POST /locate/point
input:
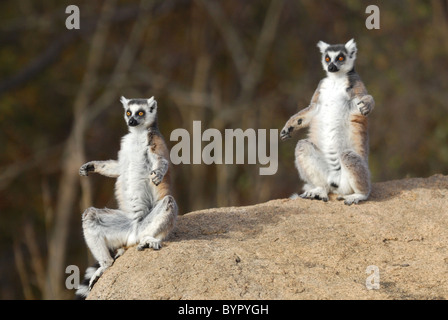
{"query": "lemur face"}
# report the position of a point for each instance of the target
(139, 112)
(338, 58)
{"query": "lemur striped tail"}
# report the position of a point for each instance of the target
(83, 289)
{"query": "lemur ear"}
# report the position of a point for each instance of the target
(124, 101)
(351, 47)
(322, 46)
(152, 103)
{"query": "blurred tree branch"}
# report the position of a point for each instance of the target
(229, 34)
(119, 76)
(264, 45)
(253, 72)
(9, 173)
(54, 49)
(19, 261)
(43, 61)
(73, 156)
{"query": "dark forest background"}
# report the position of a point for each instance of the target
(231, 64)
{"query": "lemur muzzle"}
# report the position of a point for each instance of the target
(332, 68)
(132, 122)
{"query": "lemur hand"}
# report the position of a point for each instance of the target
(294, 123)
(86, 168)
(156, 177)
(286, 133)
(366, 105)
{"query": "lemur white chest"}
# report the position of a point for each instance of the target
(333, 110)
(333, 92)
(135, 166)
(134, 154)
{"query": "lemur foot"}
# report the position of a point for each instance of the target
(352, 198)
(86, 168)
(317, 193)
(119, 253)
(171, 204)
(149, 242)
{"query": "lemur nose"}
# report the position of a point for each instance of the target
(132, 122)
(332, 68)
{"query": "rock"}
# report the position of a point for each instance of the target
(299, 249)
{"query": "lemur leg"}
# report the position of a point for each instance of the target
(313, 169)
(356, 176)
(157, 224)
(104, 231)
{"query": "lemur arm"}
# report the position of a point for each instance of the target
(360, 100)
(158, 154)
(108, 168)
(302, 118)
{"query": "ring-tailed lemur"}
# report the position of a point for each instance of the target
(146, 210)
(334, 158)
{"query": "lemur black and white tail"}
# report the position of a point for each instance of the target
(83, 289)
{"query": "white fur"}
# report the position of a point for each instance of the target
(322, 46)
(332, 114)
(135, 166)
(123, 100)
(351, 47)
(331, 117)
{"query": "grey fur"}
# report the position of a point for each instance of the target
(140, 102)
(337, 47)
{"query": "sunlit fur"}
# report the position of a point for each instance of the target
(334, 158)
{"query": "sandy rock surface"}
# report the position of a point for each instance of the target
(299, 249)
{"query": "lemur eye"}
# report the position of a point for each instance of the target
(341, 58)
(327, 58)
(128, 113)
(141, 113)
